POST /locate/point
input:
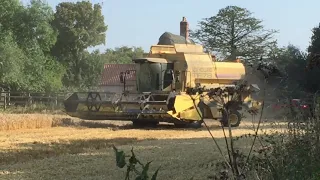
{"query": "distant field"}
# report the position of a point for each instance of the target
(82, 150)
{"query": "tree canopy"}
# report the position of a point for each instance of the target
(314, 48)
(234, 33)
(122, 55)
(80, 26)
(26, 37)
(45, 50)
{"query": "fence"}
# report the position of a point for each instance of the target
(25, 99)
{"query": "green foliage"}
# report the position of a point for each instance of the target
(233, 33)
(290, 58)
(25, 46)
(313, 60)
(8, 10)
(291, 61)
(122, 55)
(132, 166)
(314, 48)
(11, 59)
(53, 72)
(293, 155)
(92, 67)
(80, 26)
(33, 27)
(45, 51)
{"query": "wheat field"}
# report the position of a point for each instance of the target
(37, 146)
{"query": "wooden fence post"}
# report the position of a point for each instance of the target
(29, 103)
(5, 101)
(9, 98)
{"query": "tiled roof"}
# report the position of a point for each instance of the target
(111, 75)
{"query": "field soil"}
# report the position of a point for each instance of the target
(76, 149)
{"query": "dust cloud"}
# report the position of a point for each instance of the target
(269, 92)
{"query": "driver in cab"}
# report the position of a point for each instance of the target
(170, 100)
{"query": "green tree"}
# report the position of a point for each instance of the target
(122, 55)
(80, 26)
(92, 66)
(36, 37)
(33, 27)
(11, 63)
(313, 60)
(292, 62)
(314, 48)
(26, 39)
(234, 33)
(11, 56)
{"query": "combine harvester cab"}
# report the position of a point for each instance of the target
(176, 84)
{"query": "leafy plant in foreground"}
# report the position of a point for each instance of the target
(132, 165)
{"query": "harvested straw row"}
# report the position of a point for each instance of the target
(28, 121)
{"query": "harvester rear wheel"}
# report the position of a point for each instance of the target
(234, 117)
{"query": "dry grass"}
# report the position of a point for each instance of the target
(82, 150)
(29, 121)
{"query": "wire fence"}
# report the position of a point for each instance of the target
(27, 99)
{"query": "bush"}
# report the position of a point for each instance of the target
(132, 166)
(294, 155)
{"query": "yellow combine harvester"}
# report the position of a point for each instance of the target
(178, 84)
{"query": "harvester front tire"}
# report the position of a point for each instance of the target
(235, 119)
(196, 124)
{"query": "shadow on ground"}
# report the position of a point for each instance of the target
(38, 150)
(179, 159)
(211, 124)
(69, 122)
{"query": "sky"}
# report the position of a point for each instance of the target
(140, 23)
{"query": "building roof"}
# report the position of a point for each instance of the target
(111, 74)
(168, 38)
